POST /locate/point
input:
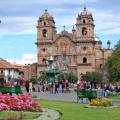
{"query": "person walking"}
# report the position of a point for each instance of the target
(63, 86)
(30, 87)
(56, 87)
(27, 86)
(43, 87)
(51, 87)
(67, 86)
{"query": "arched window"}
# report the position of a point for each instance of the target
(45, 33)
(100, 66)
(43, 49)
(44, 23)
(44, 61)
(84, 60)
(84, 31)
(83, 21)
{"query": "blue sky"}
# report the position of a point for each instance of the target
(19, 20)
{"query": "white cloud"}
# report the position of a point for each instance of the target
(18, 25)
(26, 59)
(106, 21)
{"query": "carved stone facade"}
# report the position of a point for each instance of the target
(79, 51)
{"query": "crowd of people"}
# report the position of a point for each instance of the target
(29, 86)
(61, 86)
(54, 87)
(17, 83)
(9, 83)
(105, 88)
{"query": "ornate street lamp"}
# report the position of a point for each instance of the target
(100, 44)
(108, 44)
(50, 62)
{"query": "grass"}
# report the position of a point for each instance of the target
(75, 111)
(72, 111)
(26, 115)
(115, 97)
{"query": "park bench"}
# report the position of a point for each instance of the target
(90, 94)
(4, 90)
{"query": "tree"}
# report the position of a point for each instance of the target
(71, 77)
(93, 77)
(43, 77)
(61, 76)
(117, 46)
(113, 64)
(34, 79)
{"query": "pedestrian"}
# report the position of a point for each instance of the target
(56, 87)
(106, 90)
(51, 87)
(81, 86)
(43, 87)
(67, 86)
(27, 86)
(63, 86)
(30, 87)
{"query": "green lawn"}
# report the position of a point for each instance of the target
(115, 97)
(26, 115)
(72, 111)
(76, 111)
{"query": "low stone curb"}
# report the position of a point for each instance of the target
(49, 114)
(100, 107)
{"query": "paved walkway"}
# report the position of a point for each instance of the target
(69, 97)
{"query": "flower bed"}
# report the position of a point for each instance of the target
(19, 103)
(105, 102)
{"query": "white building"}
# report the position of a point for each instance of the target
(8, 70)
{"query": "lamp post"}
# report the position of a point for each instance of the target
(50, 67)
(50, 62)
(108, 44)
(100, 44)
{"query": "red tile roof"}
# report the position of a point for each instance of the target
(6, 65)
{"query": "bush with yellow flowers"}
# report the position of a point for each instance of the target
(105, 102)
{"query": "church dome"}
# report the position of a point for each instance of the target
(46, 15)
(64, 32)
(96, 38)
(85, 12)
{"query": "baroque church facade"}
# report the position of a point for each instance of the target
(79, 51)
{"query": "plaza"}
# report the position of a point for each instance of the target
(59, 60)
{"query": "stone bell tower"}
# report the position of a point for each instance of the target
(45, 34)
(85, 26)
(85, 42)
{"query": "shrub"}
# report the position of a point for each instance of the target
(19, 103)
(105, 102)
